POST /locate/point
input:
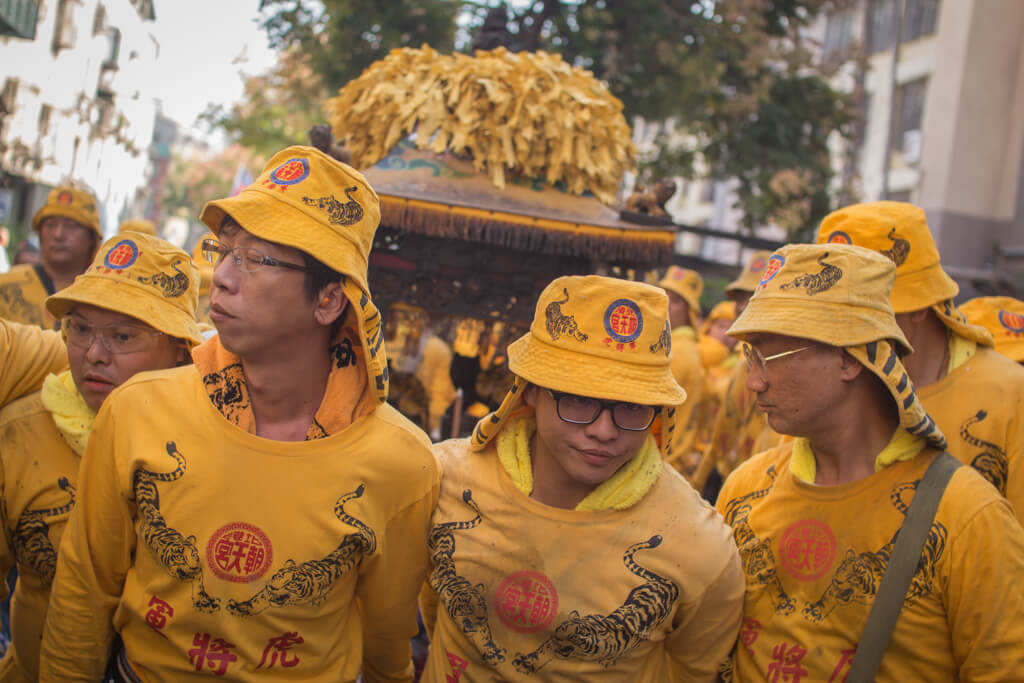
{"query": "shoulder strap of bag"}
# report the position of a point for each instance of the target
(874, 639)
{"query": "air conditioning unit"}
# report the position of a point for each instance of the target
(912, 146)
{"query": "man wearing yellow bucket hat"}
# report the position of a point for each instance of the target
(739, 429)
(1003, 317)
(118, 322)
(563, 546)
(683, 288)
(262, 514)
(816, 519)
(974, 393)
(69, 232)
(718, 351)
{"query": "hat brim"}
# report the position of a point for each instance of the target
(922, 289)
(556, 368)
(275, 221)
(834, 324)
(128, 298)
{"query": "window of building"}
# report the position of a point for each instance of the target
(45, 117)
(907, 123)
(919, 19)
(839, 32)
(64, 33)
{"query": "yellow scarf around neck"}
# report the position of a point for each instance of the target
(71, 414)
(622, 490)
(902, 446)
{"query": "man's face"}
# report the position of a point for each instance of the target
(97, 371)
(741, 299)
(580, 456)
(65, 243)
(267, 309)
(718, 328)
(678, 310)
(795, 391)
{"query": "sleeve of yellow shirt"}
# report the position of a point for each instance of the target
(985, 606)
(27, 355)
(1015, 463)
(94, 558)
(708, 626)
(387, 591)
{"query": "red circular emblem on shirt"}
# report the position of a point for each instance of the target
(807, 549)
(239, 552)
(526, 602)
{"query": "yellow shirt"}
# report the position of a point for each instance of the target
(39, 479)
(815, 555)
(689, 374)
(212, 550)
(27, 355)
(23, 292)
(520, 591)
(979, 406)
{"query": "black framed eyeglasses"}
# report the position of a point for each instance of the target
(244, 258)
(584, 410)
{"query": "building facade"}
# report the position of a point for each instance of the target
(75, 103)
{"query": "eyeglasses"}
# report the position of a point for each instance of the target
(583, 410)
(244, 258)
(115, 337)
(756, 360)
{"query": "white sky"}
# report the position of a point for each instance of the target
(205, 47)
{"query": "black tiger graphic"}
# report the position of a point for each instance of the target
(310, 582)
(171, 285)
(16, 307)
(229, 392)
(816, 283)
(558, 323)
(756, 553)
(176, 553)
(664, 342)
(991, 463)
(899, 250)
(31, 539)
(338, 213)
(858, 577)
(606, 638)
(464, 602)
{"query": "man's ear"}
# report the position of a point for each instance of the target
(530, 395)
(330, 304)
(849, 367)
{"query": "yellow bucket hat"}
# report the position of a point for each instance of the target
(687, 284)
(308, 200)
(593, 336)
(141, 276)
(1003, 316)
(838, 294)
(751, 275)
(899, 231)
(723, 310)
(137, 225)
(73, 203)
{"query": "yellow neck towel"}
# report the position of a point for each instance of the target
(902, 446)
(70, 412)
(622, 490)
(960, 350)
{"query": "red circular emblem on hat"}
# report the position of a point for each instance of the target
(65, 198)
(677, 273)
(623, 321)
(122, 255)
(757, 265)
(775, 262)
(839, 237)
(239, 552)
(807, 549)
(1011, 321)
(526, 602)
(290, 172)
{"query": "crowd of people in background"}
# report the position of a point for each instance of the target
(233, 463)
